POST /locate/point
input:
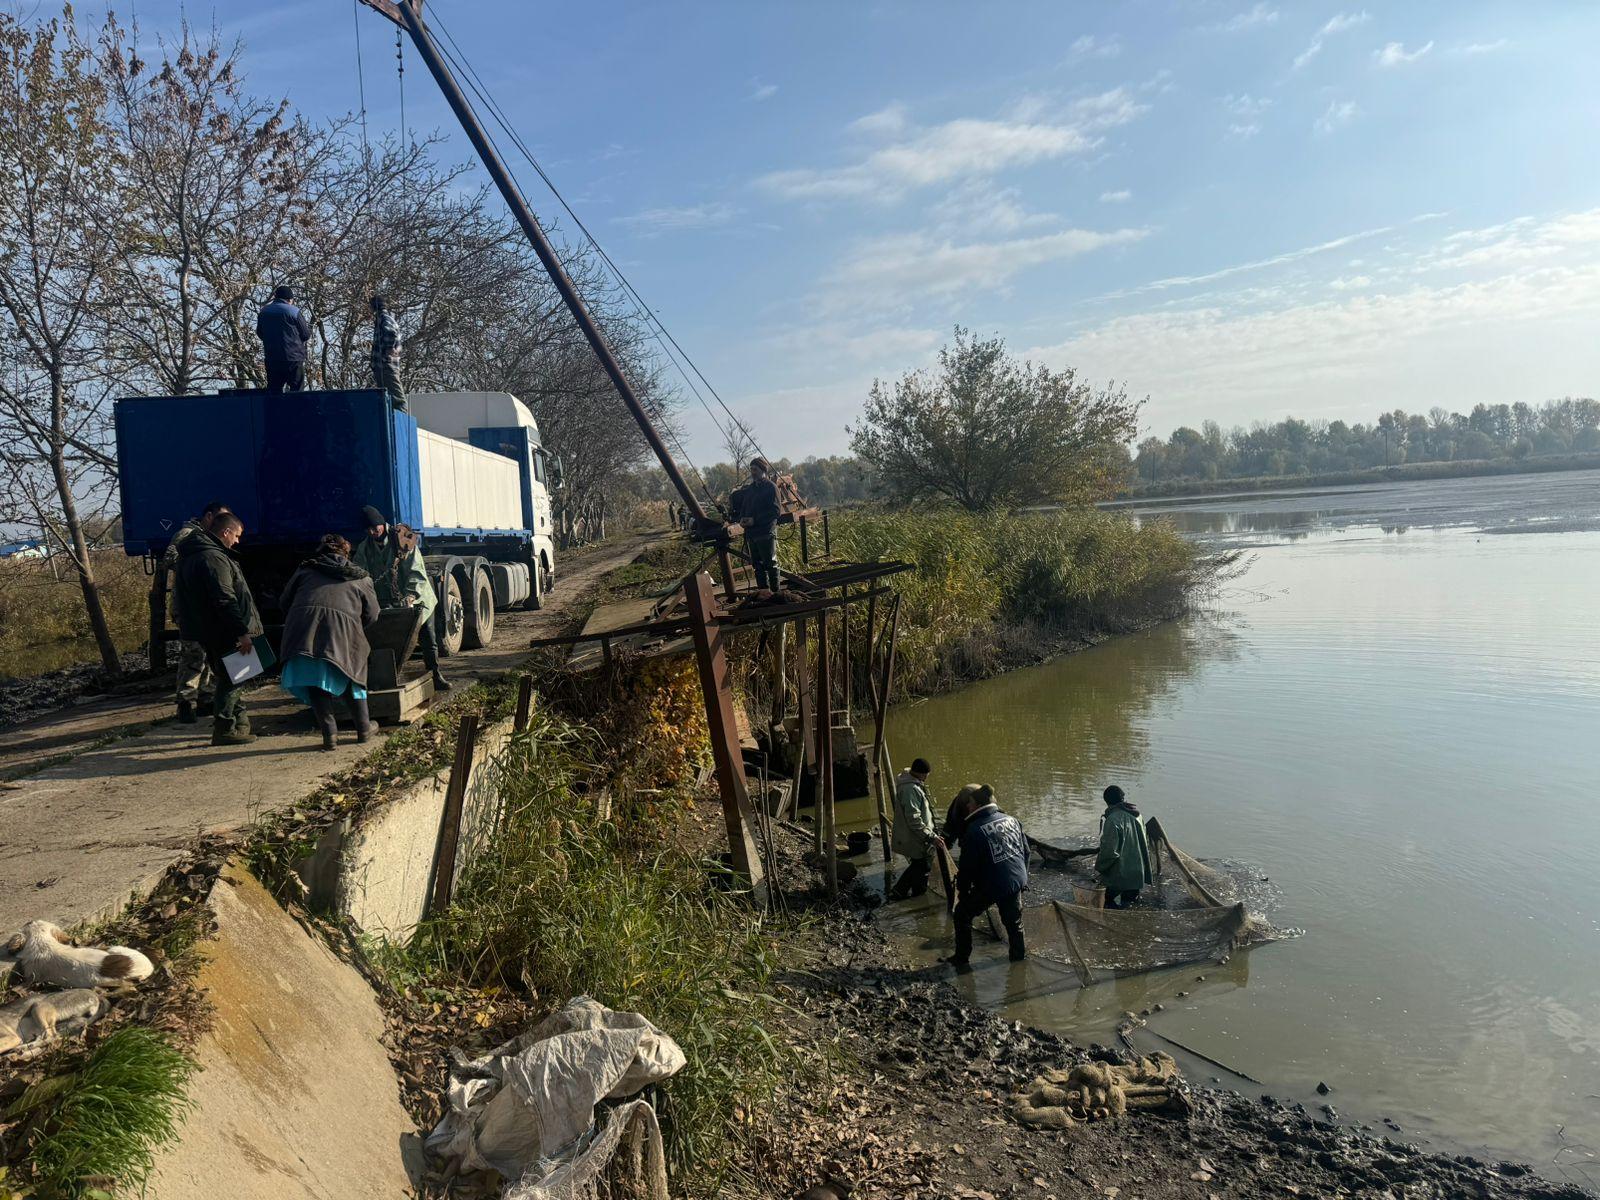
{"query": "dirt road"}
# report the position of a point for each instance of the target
(82, 836)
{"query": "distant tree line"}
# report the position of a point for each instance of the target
(1296, 447)
(150, 208)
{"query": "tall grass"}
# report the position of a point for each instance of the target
(985, 582)
(43, 624)
(586, 893)
(103, 1125)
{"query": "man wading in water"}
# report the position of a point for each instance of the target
(1123, 864)
(994, 872)
(914, 835)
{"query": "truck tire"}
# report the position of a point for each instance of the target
(536, 587)
(478, 628)
(452, 617)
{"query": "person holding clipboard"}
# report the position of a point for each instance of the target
(216, 610)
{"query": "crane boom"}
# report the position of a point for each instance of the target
(408, 15)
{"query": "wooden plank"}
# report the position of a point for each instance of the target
(826, 822)
(444, 858)
(519, 722)
(716, 686)
(880, 696)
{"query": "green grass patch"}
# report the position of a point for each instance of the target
(98, 1129)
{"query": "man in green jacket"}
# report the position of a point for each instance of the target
(1123, 864)
(392, 556)
(192, 685)
(914, 833)
(215, 608)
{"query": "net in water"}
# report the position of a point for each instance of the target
(1191, 912)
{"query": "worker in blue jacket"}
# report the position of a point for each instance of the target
(755, 514)
(994, 873)
(285, 334)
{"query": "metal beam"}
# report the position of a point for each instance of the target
(410, 16)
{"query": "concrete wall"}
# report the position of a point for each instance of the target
(377, 868)
(295, 1098)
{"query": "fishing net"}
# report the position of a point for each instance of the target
(1191, 912)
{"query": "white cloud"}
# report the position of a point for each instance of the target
(1394, 54)
(1090, 46)
(1339, 114)
(694, 216)
(764, 91)
(1338, 23)
(981, 204)
(903, 266)
(888, 121)
(963, 148)
(1515, 320)
(1120, 196)
(1252, 18)
(1247, 110)
(1473, 48)
(846, 341)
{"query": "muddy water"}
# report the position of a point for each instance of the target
(1395, 715)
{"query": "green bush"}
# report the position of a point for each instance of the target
(981, 579)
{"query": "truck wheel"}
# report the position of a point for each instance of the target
(455, 620)
(536, 588)
(479, 625)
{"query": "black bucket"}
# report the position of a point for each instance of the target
(859, 843)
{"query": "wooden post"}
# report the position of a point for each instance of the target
(524, 704)
(780, 681)
(802, 689)
(158, 617)
(716, 685)
(805, 542)
(848, 682)
(826, 823)
(729, 588)
(880, 696)
(444, 857)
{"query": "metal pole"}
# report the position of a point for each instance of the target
(825, 816)
(408, 10)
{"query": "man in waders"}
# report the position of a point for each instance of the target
(914, 834)
(1123, 864)
(994, 873)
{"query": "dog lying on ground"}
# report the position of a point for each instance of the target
(44, 954)
(45, 1018)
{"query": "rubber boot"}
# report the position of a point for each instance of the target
(1019, 948)
(440, 683)
(322, 707)
(186, 712)
(363, 719)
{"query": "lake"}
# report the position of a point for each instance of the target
(1394, 714)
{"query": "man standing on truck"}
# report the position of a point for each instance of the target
(193, 683)
(755, 512)
(216, 609)
(284, 333)
(386, 354)
(391, 555)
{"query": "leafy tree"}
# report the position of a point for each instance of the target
(986, 431)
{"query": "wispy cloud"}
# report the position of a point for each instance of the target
(964, 148)
(981, 204)
(763, 91)
(1473, 48)
(1394, 54)
(1246, 111)
(1338, 114)
(694, 216)
(1120, 196)
(1091, 46)
(902, 266)
(1252, 18)
(1335, 25)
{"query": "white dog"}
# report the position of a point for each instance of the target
(45, 1018)
(44, 954)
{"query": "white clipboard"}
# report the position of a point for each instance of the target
(241, 667)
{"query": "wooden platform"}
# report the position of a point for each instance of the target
(403, 704)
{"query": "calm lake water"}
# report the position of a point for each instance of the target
(1394, 714)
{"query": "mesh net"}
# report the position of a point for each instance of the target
(1191, 912)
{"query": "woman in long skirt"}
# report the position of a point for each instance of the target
(328, 604)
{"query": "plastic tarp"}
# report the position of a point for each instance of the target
(527, 1109)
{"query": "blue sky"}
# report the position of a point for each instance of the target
(1240, 209)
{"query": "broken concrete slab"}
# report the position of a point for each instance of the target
(296, 1097)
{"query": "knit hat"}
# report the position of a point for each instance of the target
(371, 516)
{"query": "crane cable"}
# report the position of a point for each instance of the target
(361, 84)
(459, 59)
(666, 429)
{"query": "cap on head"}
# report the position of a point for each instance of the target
(984, 795)
(920, 766)
(371, 517)
(1112, 795)
(283, 292)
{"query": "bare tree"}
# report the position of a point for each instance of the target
(58, 163)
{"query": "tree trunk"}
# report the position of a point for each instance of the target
(109, 658)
